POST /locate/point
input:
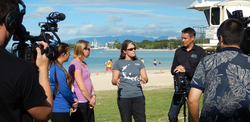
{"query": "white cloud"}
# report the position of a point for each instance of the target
(151, 30)
(41, 12)
(153, 21)
(150, 26)
(113, 19)
(125, 12)
(175, 3)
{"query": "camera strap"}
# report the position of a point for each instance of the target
(56, 84)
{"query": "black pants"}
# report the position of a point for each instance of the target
(176, 106)
(83, 114)
(132, 106)
(60, 117)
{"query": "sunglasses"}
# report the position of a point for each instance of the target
(87, 49)
(131, 49)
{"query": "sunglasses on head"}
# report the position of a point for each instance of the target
(131, 49)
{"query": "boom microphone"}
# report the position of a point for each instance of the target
(56, 17)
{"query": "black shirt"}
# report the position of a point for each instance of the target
(19, 88)
(188, 59)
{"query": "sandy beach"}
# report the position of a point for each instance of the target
(157, 79)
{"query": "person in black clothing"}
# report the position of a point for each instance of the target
(24, 94)
(185, 61)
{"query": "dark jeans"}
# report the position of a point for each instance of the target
(176, 106)
(83, 114)
(60, 117)
(132, 106)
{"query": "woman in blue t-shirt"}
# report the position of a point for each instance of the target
(128, 74)
(64, 99)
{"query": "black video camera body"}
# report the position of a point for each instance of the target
(28, 51)
(180, 83)
(245, 44)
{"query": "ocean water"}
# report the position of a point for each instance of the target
(98, 58)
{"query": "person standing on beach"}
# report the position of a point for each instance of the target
(128, 73)
(25, 93)
(223, 78)
(142, 60)
(83, 87)
(109, 65)
(61, 83)
(155, 63)
(185, 61)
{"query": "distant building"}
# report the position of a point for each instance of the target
(169, 38)
(94, 44)
(200, 31)
(110, 44)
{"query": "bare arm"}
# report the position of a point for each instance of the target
(115, 77)
(42, 112)
(78, 76)
(193, 103)
(93, 98)
(144, 75)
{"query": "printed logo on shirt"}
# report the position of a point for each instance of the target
(137, 64)
(194, 56)
(125, 76)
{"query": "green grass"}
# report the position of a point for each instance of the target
(158, 102)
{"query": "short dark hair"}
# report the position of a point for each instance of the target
(191, 32)
(5, 7)
(232, 31)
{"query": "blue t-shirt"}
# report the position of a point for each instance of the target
(224, 78)
(65, 97)
(129, 84)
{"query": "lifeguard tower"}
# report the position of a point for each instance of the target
(216, 12)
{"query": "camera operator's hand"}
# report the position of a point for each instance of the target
(179, 68)
(42, 61)
(44, 108)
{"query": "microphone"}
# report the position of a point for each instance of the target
(56, 16)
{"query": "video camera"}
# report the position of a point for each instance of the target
(28, 51)
(245, 45)
(180, 83)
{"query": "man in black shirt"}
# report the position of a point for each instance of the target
(185, 61)
(24, 94)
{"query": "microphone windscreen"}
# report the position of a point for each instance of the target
(61, 16)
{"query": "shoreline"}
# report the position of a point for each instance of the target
(157, 79)
(140, 49)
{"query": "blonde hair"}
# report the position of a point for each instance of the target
(79, 46)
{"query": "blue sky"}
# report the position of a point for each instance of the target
(95, 18)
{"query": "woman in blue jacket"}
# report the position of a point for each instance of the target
(61, 84)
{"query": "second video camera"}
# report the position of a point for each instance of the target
(180, 83)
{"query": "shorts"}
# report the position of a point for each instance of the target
(108, 68)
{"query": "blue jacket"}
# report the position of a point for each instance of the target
(65, 97)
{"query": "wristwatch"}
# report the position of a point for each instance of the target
(93, 95)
